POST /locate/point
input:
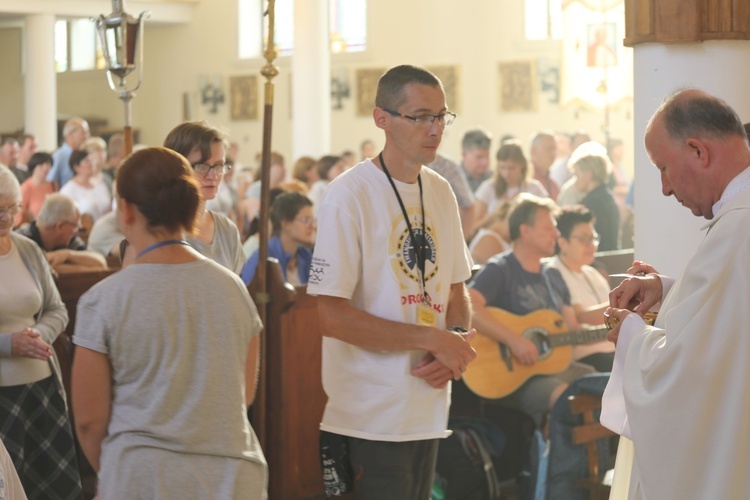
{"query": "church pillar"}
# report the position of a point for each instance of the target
(40, 82)
(679, 44)
(311, 80)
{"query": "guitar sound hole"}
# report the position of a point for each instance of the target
(541, 340)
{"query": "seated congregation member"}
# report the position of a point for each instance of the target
(519, 282)
(35, 426)
(105, 236)
(329, 167)
(511, 178)
(293, 237)
(304, 171)
(55, 231)
(454, 174)
(592, 167)
(205, 149)
(589, 290)
(86, 187)
(492, 237)
(166, 353)
(276, 177)
(36, 188)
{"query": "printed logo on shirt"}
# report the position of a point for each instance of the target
(317, 269)
(403, 253)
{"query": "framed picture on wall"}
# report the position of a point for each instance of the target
(518, 86)
(243, 97)
(367, 86)
(449, 76)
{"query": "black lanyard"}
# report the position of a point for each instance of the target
(417, 248)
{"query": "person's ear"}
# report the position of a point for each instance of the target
(698, 151)
(128, 211)
(381, 118)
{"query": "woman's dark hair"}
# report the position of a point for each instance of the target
(285, 207)
(570, 217)
(76, 157)
(39, 159)
(325, 164)
(162, 185)
(191, 136)
(510, 150)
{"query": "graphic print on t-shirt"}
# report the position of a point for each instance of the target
(402, 251)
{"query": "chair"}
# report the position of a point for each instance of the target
(597, 482)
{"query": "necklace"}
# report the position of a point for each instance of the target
(417, 247)
(160, 244)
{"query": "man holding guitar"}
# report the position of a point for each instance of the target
(519, 283)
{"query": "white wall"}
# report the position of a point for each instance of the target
(666, 233)
(475, 36)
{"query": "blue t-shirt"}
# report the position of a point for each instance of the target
(508, 286)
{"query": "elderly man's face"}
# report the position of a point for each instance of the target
(543, 152)
(680, 176)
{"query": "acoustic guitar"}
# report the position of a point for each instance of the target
(495, 373)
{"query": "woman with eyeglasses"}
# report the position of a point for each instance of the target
(589, 289)
(166, 354)
(35, 426)
(292, 238)
(204, 147)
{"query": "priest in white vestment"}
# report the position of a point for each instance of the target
(681, 389)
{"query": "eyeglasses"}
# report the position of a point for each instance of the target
(10, 211)
(77, 226)
(308, 221)
(443, 119)
(204, 169)
(586, 240)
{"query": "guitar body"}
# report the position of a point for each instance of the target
(495, 373)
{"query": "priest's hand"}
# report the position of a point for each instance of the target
(637, 294)
(614, 318)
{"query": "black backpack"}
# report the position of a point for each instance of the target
(465, 465)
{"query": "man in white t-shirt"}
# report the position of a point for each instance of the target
(389, 269)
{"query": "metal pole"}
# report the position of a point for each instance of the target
(269, 71)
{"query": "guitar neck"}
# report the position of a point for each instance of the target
(579, 337)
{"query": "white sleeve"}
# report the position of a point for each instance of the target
(336, 266)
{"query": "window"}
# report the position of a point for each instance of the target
(543, 19)
(77, 46)
(347, 24)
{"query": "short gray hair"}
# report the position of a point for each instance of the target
(57, 208)
(9, 187)
(694, 113)
(592, 157)
(476, 138)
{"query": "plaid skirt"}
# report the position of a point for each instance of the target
(35, 428)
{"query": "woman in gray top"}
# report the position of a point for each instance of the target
(167, 353)
(34, 424)
(205, 149)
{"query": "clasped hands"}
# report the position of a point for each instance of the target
(636, 294)
(28, 344)
(448, 360)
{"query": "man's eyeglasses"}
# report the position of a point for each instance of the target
(443, 119)
(204, 169)
(77, 226)
(586, 240)
(308, 221)
(11, 210)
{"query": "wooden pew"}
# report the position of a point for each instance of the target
(71, 286)
(292, 407)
